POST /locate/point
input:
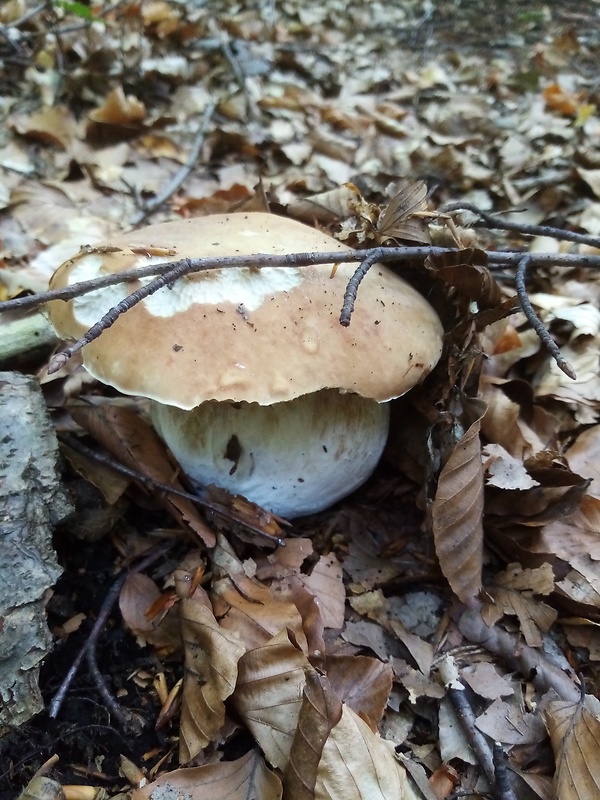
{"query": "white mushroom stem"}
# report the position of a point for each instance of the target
(292, 458)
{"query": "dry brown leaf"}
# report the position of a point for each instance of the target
(505, 471)
(362, 683)
(248, 778)
(506, 722)
(119, 109)
(575, 735)
(326, 584)
(513, 593)
(583, 457)
(54, 126)
(326, 207)
(133, 442)
(253, 611)
(106, 480)
(398, 221)
(357, 764)
(321, 710)
(211, 668)
(268, 695)
(457, 516)
(138, 595)
(485, 681)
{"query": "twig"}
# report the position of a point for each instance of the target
(496, 259)
(145, 480)
(108, 603)
(502, 784)
(536, 322)
(531, 663)
(109, 319)
(457, 696)
(491, 221)
(354, 282)
(128, 721)
(182, 174)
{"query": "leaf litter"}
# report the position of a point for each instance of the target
(489, 498)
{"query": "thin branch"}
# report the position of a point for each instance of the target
(496, 259)
(354, 282)
(503, 786)
(150, 483)
(109, 601)
(457, 695)
(535, 321)
(109, 319)
(182, 174)
(492, 221)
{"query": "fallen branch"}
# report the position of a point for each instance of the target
(493, 222)
(169, 272)
(181, 175)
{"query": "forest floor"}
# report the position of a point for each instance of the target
(422, 585)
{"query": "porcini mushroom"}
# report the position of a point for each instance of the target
(256, 387)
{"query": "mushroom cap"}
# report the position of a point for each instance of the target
(262, 335)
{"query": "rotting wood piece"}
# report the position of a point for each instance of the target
(32, 501)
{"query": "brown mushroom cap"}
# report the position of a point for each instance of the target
(258, 335)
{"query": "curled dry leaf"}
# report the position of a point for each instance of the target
(134, 443)
(457, 515)
(211, 669)
(575, 735)
(326, 584)
(467, 272)
(268, 695)
(398, 220)
(357, 764)
(513, 593)
(140, 594)
(321, 710)
(362, 683)
(248, 778)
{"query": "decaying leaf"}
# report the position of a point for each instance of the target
(211, 668)
(137, 597)
(268, 695)
(457, 516)
(248, 778)
(575, 735)
(321, 710)
(513, 592)
(398, 220)
(357, 764)
(133, 442)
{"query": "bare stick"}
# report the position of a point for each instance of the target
(148, 482)
(108, 603)
(457, 696)
(536, 322)
(109, 319)
(496, 259)
(492, 221)
(354, 282)
(182, 174)
(503, 787)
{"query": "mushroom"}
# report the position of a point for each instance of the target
(256, 387)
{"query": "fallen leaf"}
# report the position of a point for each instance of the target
(575, 736)
(248, 778)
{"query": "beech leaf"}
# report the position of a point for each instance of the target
(268, 695)
(321, 710)
(136, 445)
(248, 778)
(358, 764)
(457, 516)
(575, 735)
(211, 668)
